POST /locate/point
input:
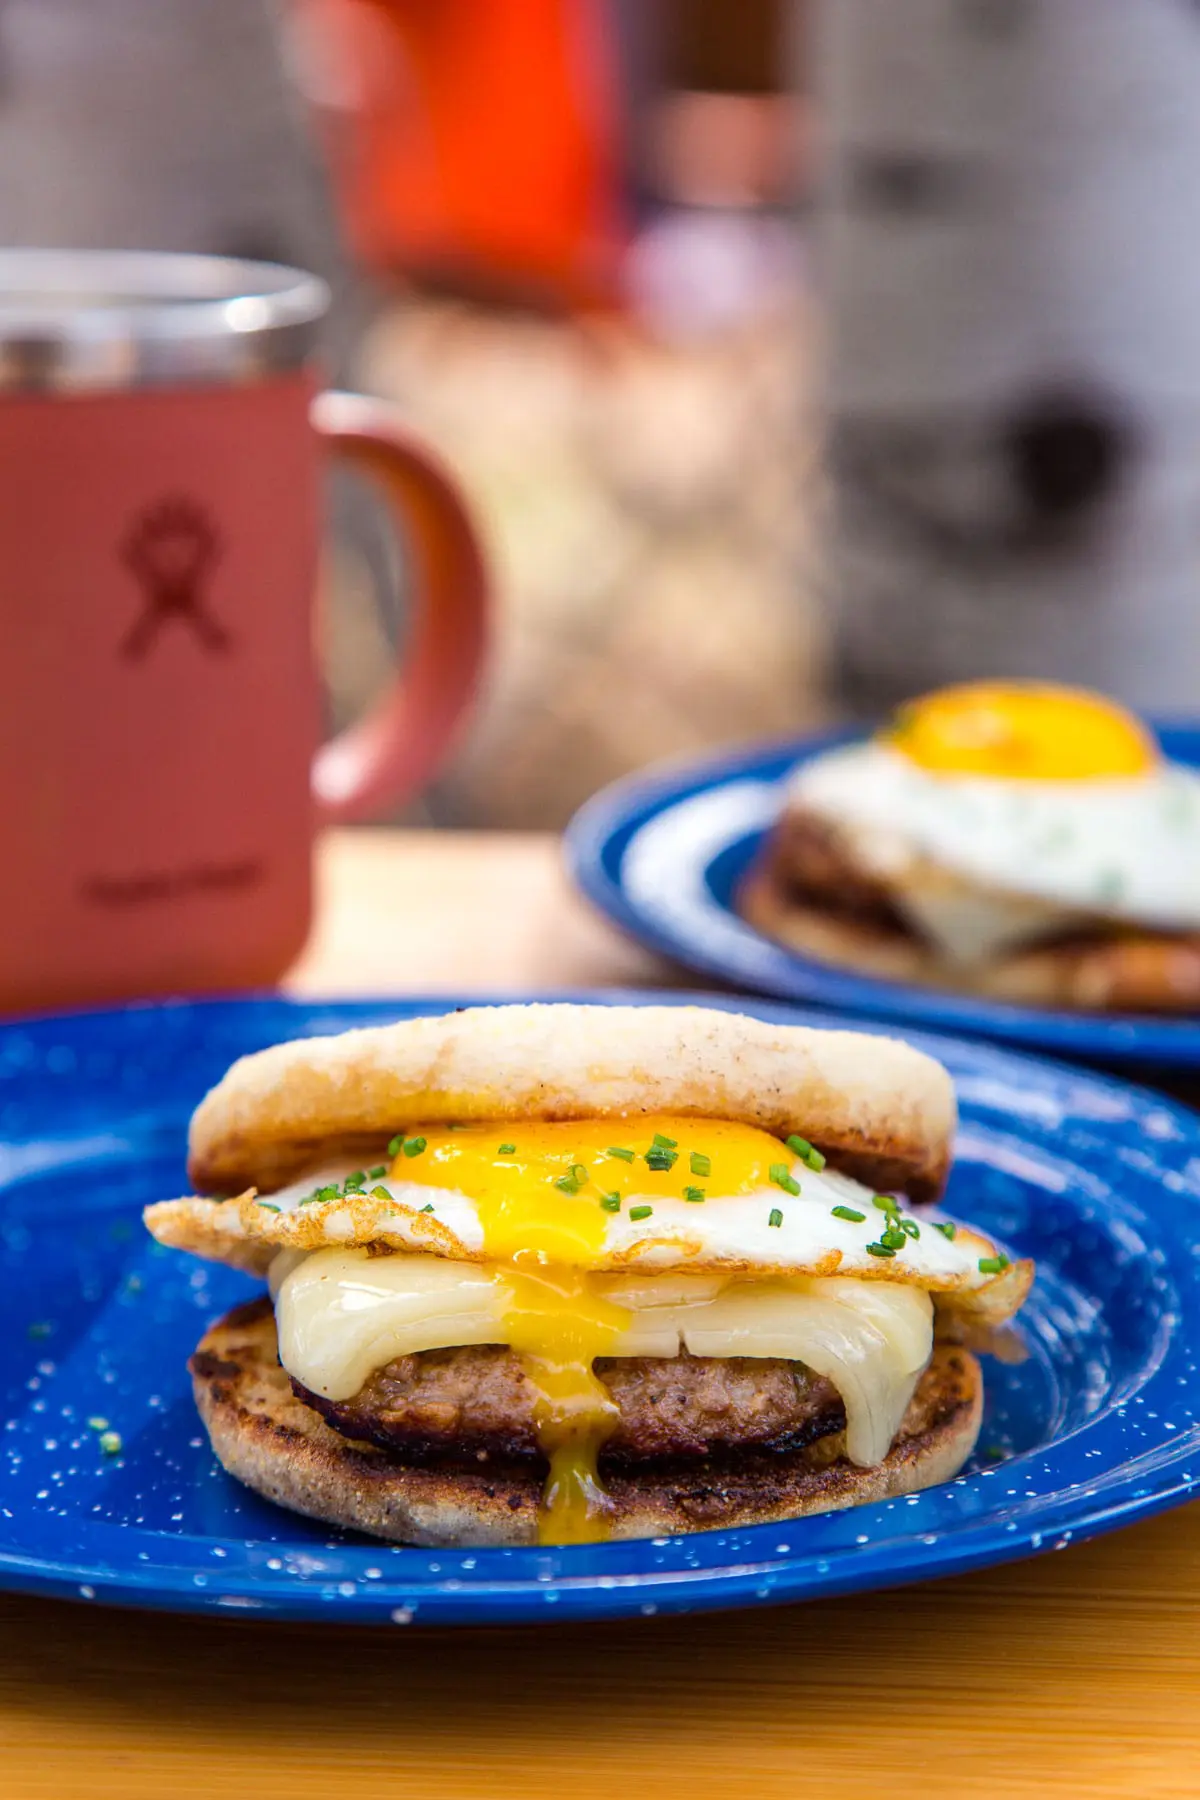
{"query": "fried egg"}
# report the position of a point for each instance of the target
(1056, 806)
(659, 1194)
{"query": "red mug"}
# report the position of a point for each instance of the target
(161, 773)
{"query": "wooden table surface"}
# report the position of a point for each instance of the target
(1077, 1673)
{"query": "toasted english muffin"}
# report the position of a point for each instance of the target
(879, 1110)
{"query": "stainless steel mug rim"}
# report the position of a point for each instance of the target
(77, 321)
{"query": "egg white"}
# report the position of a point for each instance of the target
(724, 1232)
(1126, 849)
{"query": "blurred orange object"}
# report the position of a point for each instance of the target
(479, 139)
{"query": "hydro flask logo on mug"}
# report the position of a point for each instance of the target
(172, 550)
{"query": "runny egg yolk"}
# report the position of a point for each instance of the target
(1023, 731)
(545, 1194)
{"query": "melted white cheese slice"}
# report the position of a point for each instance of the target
(342, 1314)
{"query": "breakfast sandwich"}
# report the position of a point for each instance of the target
(1019, 840)
(560, 1273)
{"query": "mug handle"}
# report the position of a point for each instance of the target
(394, 750)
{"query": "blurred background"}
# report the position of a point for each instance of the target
(573, 241)
(560, 236)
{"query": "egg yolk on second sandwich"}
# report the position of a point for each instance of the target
(1023, 731)
(545, 1193)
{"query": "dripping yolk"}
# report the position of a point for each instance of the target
(1023, 731)
(545, 1194)
(558, 1326)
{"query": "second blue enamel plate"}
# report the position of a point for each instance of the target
(662, 855)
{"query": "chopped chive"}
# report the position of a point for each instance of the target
(97, 1423)
(660, 1160)
(992, 1265)
(329, 1193)
(885, 1203)
(396, 1145)
(620, 1151)
(579, 1172)
(428, 1206)
(567, 1184)
(378, 1172)
(111, 1443)
(611, 1202)
(783, 1178)
(358, 1177)
(699, 1163)
(694, 1194)
(352, 1186)
(414, 1146)
(269, 1206)
(893, 1238)
(947, 1227)
(880, 1250)
(910, 1228)
(774, 1217)
(311, 1199)
(848, 1212)
(380, 1193)
(665, 1143)
(507, 1150)
(640, 1212)
(808, 1154)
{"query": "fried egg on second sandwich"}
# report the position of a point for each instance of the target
(993, 814)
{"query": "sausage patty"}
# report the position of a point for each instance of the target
(811, 861)
(479, 1401)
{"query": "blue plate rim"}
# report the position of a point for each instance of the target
(617, 812)
(556, 1592)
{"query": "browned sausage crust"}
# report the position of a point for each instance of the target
(457, 1403)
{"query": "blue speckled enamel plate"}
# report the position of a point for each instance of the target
(1099, 1181)
(662, 854)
